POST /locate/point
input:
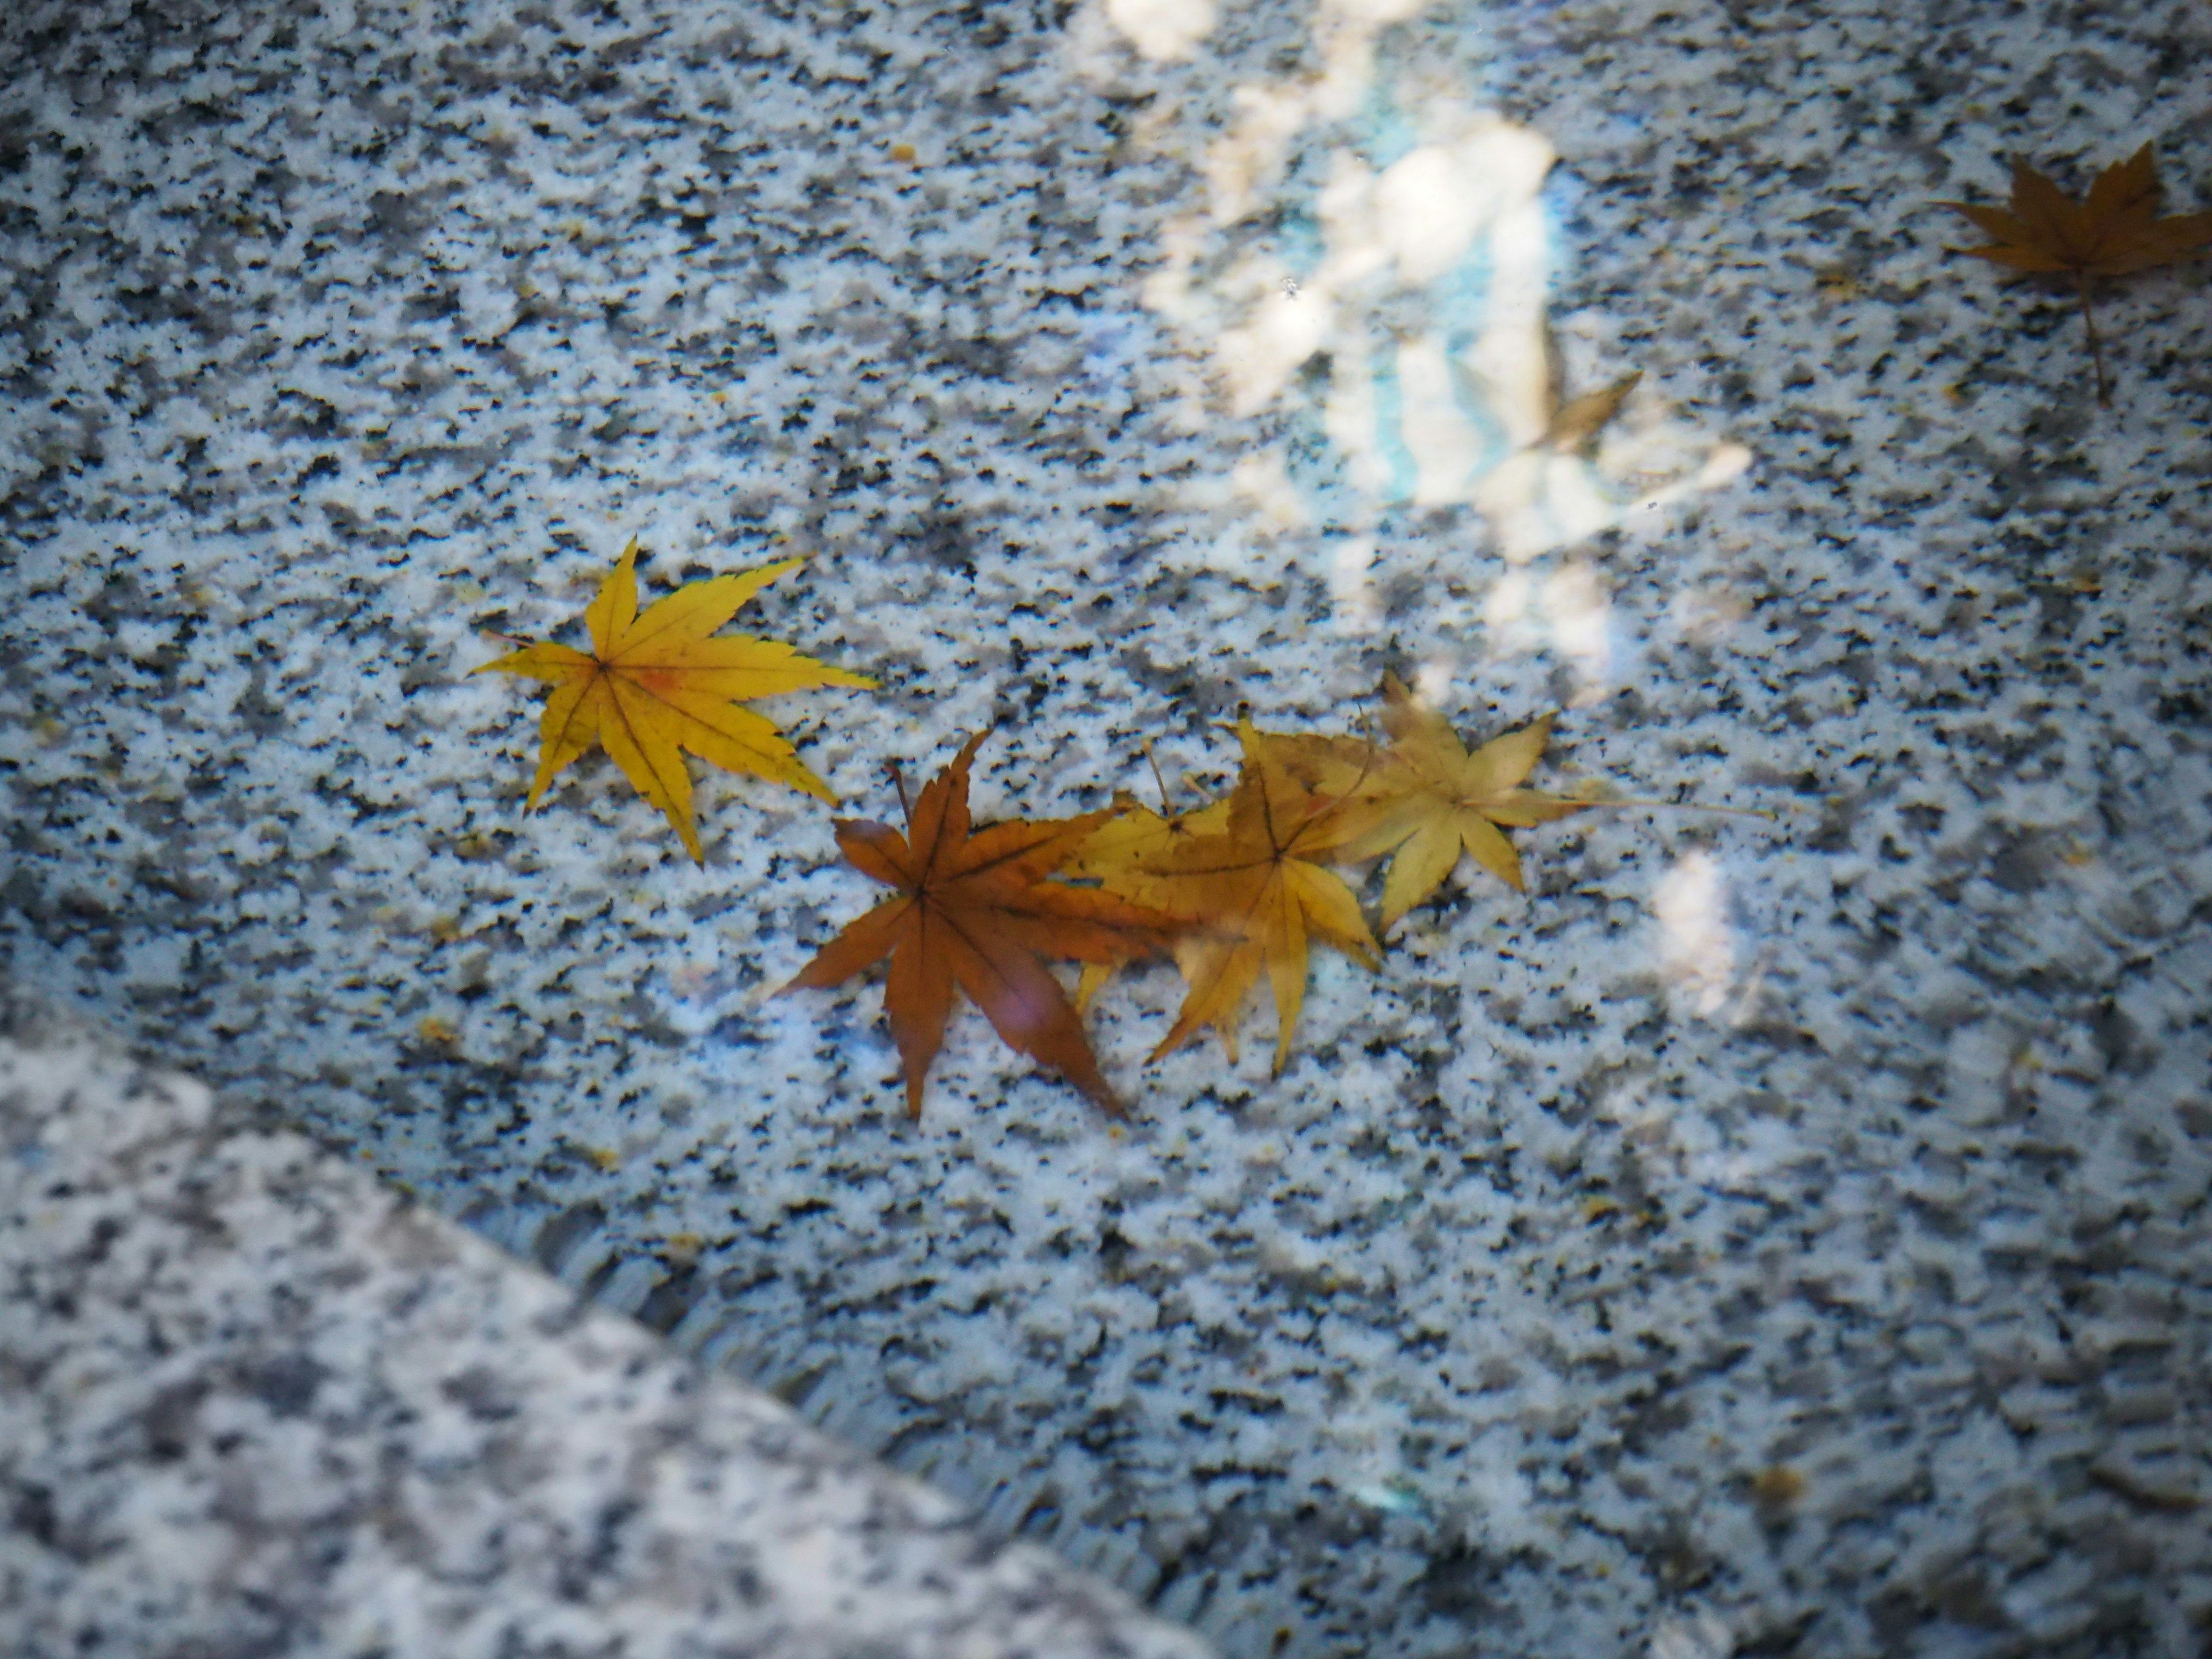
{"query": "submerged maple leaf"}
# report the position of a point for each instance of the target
(1252, 891)
(1431, 799)
(1576, 422)
(1121, 855)
(976, 909)
(1125, 850)
(654, 686)
(2114, 231)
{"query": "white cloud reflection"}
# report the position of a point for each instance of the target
(1697, 946)
(1351, 586)
(1162, 30)
(1406, 244)
(1454, 410)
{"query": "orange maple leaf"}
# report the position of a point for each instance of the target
(976, 909)
(2115, 231)
(653, 686)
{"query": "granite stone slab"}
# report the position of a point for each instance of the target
(256, 1403)
(1780, 1234)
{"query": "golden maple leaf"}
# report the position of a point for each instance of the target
(1120, 854)
(1123, 850)
(2115, 231)
(653, 686)
(1427, 797)
(975, 911)
(1251, 890)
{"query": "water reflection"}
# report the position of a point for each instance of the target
(1162, 30)
(1697, 946)
(1372, 260)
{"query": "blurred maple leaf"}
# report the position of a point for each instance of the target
(653, 686)
(976, 910)
(2115, 231)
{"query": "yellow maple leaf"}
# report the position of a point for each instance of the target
(1251, 888)
(1120, 855)
(653, 686)
(1427, 797)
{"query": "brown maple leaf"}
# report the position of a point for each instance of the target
(976, 909)
(1251, 893)
(2114, 231)
(653, 686)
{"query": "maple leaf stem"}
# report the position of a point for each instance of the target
(1366, 760)
(1167, 807)
(2096, 345)
(898, 782)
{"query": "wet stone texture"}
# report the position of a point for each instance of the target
(255, 1404)
(1762, 1236)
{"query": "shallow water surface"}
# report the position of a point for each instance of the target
(1779, 1234)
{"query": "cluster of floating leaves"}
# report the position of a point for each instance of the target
(1231, 891)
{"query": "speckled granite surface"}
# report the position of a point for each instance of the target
(1790, 1239)
(254, 1403)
